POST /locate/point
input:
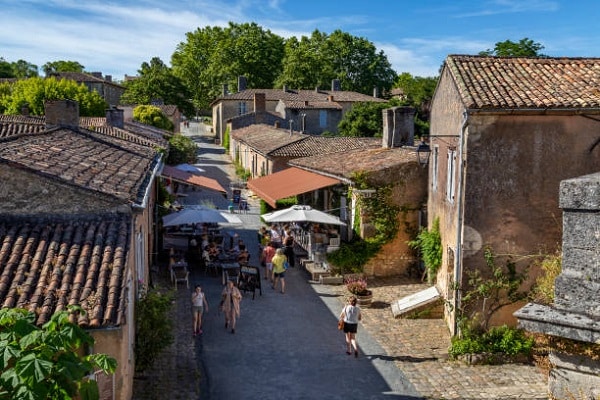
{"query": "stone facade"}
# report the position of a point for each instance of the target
(575, 313)
(500, 189)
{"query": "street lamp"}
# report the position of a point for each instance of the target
(423, 153)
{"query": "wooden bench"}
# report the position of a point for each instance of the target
(316, 270)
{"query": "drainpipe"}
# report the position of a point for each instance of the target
(460, 217)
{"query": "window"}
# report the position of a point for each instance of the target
(434, 173)
(242, 109)
(323, 118)
(450, 180)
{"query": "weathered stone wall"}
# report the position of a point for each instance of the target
(576, 311)
(27, 193)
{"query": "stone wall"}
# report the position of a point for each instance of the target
(36, 195)
(575, 314)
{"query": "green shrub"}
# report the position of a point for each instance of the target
(351, 257)
(182, 149)
(501, 339)
(429, 245)
(153, 328)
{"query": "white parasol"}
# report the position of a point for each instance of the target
(200, 214)
(189, 168)
(301, 213)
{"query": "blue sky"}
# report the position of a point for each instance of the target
(116, 37)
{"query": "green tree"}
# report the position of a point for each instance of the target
(23, 69)
(35, 92)
(157, 81)
(182, 149)
(418, 92)
(6, 70)
(152, 115)
(214, 56)
(316, 61)
(524, 48)
(62, 66)
(47, 362)
(364, 119)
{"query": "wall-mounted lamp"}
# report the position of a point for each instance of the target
(423, 153)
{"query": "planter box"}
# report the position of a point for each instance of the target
(331, 280)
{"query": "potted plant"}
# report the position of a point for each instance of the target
(358, 287)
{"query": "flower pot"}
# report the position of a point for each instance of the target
(364, 300)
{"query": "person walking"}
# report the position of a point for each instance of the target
(279, 267)
(267, 256)
(288, 248)
(199, 305)
(230, 303)
(351, 315)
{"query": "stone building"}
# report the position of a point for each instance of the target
(76, 225)
(504, 133)
(110, 91)
(306, 111)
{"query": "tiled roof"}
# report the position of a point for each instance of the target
(312, 105)
(11, 125)
(265, 138)
(526, 83)
(300, 95)
(47, 265)
(315, 145)
(192, 179)
(81, 77)
(90, 160)
(345, 164)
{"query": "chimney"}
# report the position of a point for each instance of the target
(115, 117)
(316, 89)
(63, 113)
(225, 90)
(97, 75)
(375, 92)
(336, 86)
(242, 83)
(25, 109)
(285, 88)
(398, 126)
(330, 98)
(260, 101)
(108, 78)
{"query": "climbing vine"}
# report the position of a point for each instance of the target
(429, 245)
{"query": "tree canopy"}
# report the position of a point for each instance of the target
(214, 56)
(156, 81)
(524, 48)
(152, 115)
(62, 66)
(18, 69)
(35, 91)
(46, 363)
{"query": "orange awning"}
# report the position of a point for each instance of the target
(191, 179)
(289, 182)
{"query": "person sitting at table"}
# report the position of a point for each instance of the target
(243, 257)
(213, 251)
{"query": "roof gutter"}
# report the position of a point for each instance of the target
(155, 172)
(458, 258)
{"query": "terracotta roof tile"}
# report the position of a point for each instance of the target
(526, 83)
(345, 164)
(47, 265)
(311, 105)
(86, 159)
(300, 95)
(266, 138)
(315, 145)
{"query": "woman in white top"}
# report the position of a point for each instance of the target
(351, 315)
(199, 305)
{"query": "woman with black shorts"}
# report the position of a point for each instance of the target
(351, 315)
